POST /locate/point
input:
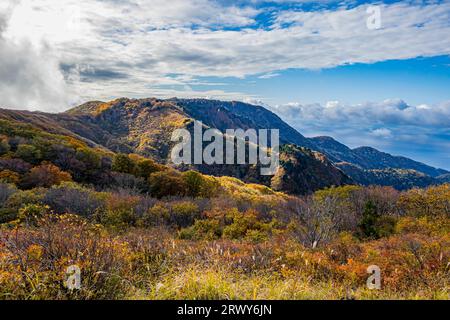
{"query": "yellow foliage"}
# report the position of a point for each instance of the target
(9, 176)
(433, 201)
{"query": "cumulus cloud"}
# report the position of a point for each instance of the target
(382, 133)
(421, 132)
(387, 119)
(30, 78)
(389, 112)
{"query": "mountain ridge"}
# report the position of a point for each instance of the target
(144, 126)
(370, 158)
(295, 137)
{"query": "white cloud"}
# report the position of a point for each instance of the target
(382, 133)
(131, 47)
(389, 112)
(332, 104)
(392, 125)
(30, 77)
(269, 75)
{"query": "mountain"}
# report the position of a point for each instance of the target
(224, 115)
(312, 175)
(367, 166)
(370, 158)
(400, 179)
(145, 126)
(238, 115)
(374, 159)
(336, 151)
(445, 178)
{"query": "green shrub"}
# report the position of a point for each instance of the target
(248, 225)
(4, 146)
(32, 213)
(256, 236)
(194, 183)
(90, 158)
(198, 185)
(184, 214)
(368, 225)
(385, 226)
(202, 230)
(29, 153)
(119, 219)
(167, 183)
(374, 225)
(179, 214)
(158, 215)
(145, 168)
(25, 197)
(122, 163)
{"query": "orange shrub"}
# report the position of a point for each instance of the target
(45, 175)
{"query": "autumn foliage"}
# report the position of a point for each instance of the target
(142, 230)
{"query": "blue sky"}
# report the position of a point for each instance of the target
(419, 80)
(364, 72)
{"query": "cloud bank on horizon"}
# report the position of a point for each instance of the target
(57, 53)
(421, 132)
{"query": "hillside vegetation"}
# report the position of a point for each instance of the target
(139, 229)
(144, 127)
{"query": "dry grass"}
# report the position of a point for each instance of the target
(151, 264)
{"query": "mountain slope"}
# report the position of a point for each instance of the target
(445, 178)
(317, 173)
(238, 115)
(374, 159)
(231, 115)
(336, 151)
(400, 179)
(145, 127)
(370, 158)
(368, 166)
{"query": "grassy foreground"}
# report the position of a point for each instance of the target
(152, 264)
